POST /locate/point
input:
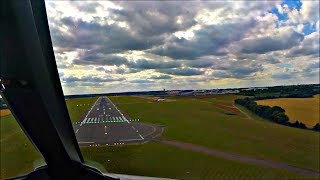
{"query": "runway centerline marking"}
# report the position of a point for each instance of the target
(129, 139)
(77, 130)
(141, 137)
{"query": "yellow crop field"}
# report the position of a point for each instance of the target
(4, 112)
(305, 110)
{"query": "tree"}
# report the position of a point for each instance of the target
(278, 108)
(316, 127)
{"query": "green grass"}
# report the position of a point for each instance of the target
(192, 120)
(131, 99)
(200, 122)
(76, 112)
(160, 160)
(17, 154)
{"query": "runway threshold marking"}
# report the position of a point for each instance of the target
(91, 109)
(85, 142)
(124, 118)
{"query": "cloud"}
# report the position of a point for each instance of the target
(282, 76)
(283, 39)
(209, 40)
(121, 70)
(100, 59)
(201, 63)
(147, 64)
(236, 69)
(309, 46)
(314, 65)
(61, 74)
(200, 44)
(141, 81)
(93, 36)
(100, 69)
(182, 71)
(92, 79)
(155, 18)
(161, 77)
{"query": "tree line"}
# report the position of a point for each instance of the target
(275, 114)
(293, 91)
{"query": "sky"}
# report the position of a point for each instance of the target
(120, 46)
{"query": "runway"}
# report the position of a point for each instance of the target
(105, 124)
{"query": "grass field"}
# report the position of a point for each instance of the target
(159, 160)
(200, 121)
(17, 154)
(203, 121)
(75, 110)
(305, 110)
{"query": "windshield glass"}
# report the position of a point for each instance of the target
(191, 90)
(17, 154)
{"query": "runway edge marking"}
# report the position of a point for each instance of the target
(91, 109)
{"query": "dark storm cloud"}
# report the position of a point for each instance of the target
(181, 71)
(271, 43)
(209, 40)
(161, 77)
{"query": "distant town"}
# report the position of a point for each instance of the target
(308, 89)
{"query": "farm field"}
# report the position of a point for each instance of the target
(200, 121)
(210, 121)
(305, 110)
(4, 112)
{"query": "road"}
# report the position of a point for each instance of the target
(241, 158)
(105, 124)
